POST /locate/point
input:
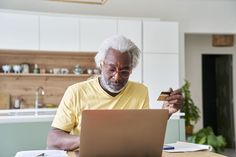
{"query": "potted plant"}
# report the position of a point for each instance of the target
(192, 112)
(207, 136)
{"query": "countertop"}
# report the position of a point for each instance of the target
(39, 115)
(27, 115)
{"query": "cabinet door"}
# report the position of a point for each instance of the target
(160, 72)
(19, 31)
(160, 37)
(59, 33)
(132, 29)
(175, 131)
(94, 31)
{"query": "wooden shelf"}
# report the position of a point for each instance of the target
(42, 75)
(24, 85)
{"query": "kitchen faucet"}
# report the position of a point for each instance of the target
(38, 99)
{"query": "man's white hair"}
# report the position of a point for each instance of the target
(120, 43)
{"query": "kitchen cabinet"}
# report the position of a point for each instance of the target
(160, 72)
(132, 29)
(159, 41)
(19, 31)
(24, 85)
(160, 37)
(93, 31)
(160, 58)
(59, 33)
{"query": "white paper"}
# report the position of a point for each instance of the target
(37, 153)
(187, 147)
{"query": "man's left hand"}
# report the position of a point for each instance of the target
(173, 102)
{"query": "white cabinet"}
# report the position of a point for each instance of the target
(93, 31)
(132, 29)
(160, 58)
(160, 72)
(59, 33)
(136, 74)
(19, 31)
(160, 37)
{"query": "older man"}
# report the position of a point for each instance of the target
(116, 58)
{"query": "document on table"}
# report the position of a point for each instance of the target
(41, 153)
(187, 147)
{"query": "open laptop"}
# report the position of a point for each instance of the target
(123, 133)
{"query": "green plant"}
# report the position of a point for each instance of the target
(192, 112)
(207, 136)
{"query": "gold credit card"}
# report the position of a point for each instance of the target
(163, 95)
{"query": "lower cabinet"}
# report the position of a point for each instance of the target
(175, 131)
(33, 135)
(23, 136)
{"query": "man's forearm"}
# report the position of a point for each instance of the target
(59, 139)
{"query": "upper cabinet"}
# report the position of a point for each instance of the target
(19, 31)
(132, 29)
(160, 72)
(160, 37)
(94, 30)
(59, 33)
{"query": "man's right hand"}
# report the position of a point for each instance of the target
(60, 139)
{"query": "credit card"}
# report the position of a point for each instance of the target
(163, 95)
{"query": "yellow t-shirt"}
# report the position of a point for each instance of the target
(90, 95)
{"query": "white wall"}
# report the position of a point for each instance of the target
(195, 46)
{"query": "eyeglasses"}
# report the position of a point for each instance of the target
(112, 70)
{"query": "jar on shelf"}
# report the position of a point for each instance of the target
(25, 68)
(17, 103)
(78, 70)
(36, 69)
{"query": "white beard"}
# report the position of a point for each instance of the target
(107, 87)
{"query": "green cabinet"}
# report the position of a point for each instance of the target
(175, 131)
(22, 136)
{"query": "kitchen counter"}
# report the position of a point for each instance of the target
(27, 115)
(39, 115)
(22, 129)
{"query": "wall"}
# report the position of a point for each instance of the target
(195, 46)
(193, 14)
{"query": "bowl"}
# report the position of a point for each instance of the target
(17, 68)
(6, 68)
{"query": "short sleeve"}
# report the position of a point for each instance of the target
(146, 100)
(65, 118)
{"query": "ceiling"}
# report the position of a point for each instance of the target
(166, 9)
(194, 16)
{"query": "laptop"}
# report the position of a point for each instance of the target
(123, 133)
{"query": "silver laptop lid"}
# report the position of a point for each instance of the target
(114, 133)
